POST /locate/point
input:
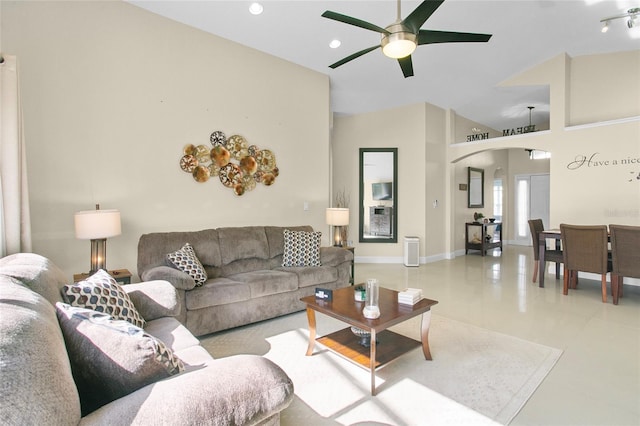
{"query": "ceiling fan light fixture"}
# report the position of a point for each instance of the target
(631, 14)
(399, 44)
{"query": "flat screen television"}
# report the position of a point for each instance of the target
(382, 190)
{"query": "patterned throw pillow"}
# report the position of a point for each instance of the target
(102, 293)
(111, 358)
(301, 248)
(186, 260)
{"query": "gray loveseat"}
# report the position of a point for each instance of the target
(37, 386)
(246, 280)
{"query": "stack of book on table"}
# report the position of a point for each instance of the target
(409, 296)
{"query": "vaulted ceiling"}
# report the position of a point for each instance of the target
(464, 77)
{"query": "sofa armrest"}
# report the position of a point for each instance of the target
(334, 256)
(236, 390)
(179, 279)
(154, 299)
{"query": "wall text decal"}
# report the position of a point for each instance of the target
(591, 161)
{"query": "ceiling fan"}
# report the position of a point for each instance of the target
(401, 38)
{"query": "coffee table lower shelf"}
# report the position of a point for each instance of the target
(389, 346)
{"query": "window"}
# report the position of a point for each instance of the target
(497, 199)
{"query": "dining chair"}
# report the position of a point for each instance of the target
(536, 227)
(625, 253)
(585, 248)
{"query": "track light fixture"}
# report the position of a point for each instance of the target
(632, 14)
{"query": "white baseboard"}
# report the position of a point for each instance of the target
(443, 256)
(388, 259)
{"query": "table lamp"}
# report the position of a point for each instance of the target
(97, 225)
(337, 217)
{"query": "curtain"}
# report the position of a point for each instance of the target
(15, 221)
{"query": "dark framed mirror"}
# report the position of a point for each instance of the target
(378, 200)
(475, 187)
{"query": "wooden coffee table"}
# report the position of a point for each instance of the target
(389, 345)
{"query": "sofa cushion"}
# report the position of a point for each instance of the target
(310, 276)
(263, 283)
(301, 248)
(154, 299)
(102, 293)
(152, 248)
(194, 358)
(219, 291)
(172, 333)
(111, 358)
(186, 260)
(235, 390)
(36, 385)
(243, 243)
(275, 237)
(37, 273)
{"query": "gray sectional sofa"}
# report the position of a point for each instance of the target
(246, 280)
(38, 382)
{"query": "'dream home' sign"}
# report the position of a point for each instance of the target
(477, 137)
(519, 130)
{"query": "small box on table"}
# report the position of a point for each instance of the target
(409, 296)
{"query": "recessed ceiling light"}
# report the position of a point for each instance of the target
(334, 44)
(256, 8)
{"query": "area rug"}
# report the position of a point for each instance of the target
(477, 376)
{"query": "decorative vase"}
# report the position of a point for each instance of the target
(371, 309)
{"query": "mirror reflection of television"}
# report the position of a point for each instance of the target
(382, 190)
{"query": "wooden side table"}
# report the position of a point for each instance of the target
(122, 276)
(484, 241)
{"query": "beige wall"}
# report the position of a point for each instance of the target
(111, 93)
(402, 128)
(604, 87)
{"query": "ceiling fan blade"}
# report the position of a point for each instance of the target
(419, 16)
(407, 66)
(353, 21)
(353, 56)
(430, 37)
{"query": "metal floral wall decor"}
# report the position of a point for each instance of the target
(237, 164)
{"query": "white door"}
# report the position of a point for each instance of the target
(532, 202)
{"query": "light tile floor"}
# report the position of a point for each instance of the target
(597, 379)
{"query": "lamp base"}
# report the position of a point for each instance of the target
(98, 255)
(337, 236)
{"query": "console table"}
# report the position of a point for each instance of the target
(482, 236)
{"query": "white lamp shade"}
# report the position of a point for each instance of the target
(337, 216)
(97, 224)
